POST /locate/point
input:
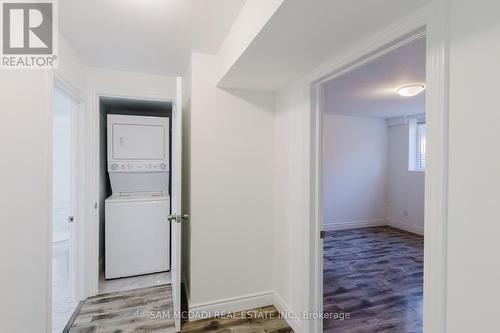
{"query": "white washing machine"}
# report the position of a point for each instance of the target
(137, 232)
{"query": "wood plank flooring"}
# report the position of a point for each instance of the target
(265, 319)
(127, 312)
(375, 275)
(150, 310)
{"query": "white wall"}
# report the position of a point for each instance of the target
(130, 84)
(25, 243)
(231, 189)
(405, 189)
(291, 264)
(70, 68)
(474, 162)
(250, 21)
(354, 170)
(25, 134)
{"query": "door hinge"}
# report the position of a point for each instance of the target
(322, 234)
(177, 218)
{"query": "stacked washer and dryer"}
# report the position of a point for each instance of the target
(137, 234)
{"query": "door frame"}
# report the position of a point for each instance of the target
(92, 234)
(77, 200)
(431, 21)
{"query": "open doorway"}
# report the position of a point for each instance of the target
(134, 193)
(66, 216)
(135, 268)
(374, 156)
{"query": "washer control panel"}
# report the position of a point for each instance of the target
(138, 167)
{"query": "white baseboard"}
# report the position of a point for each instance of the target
(247, 302)
(293, 320)
(242, 303)
(353, 225)
(406, 227)
(373, 223)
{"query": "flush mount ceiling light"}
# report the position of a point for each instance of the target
(410, 90)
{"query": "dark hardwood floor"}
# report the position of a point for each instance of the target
(376, 276)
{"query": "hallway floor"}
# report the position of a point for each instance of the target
(265, 319)
(150, 310)
(375, 275)
(127, 311)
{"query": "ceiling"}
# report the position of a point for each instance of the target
(369, 91)
(150, 36)
(303, 35)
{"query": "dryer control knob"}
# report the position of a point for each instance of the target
(114, 166)
(163, 166)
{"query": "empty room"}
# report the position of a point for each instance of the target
(373, 193)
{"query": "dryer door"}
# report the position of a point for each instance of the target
(132, 138)
(138, 142)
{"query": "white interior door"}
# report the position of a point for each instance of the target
(176, 217)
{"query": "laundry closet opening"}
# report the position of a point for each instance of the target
(135, 180)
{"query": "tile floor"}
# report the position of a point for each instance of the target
(63, 304)
(133, 282)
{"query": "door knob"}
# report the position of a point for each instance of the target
(172, 217)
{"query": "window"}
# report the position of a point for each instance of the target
(420, 158)
(417, 150)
